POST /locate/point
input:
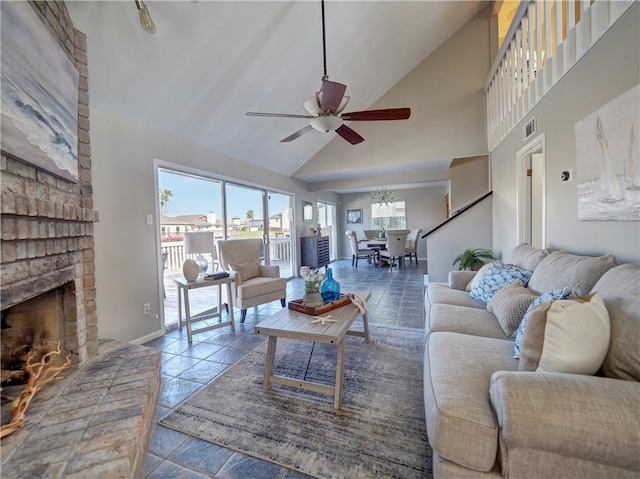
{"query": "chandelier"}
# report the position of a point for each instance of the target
(383, 196)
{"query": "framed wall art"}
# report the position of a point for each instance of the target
(608, 161)
(39, 95)
(354, 216)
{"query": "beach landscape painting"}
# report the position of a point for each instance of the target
(608, 161)
(39, 95)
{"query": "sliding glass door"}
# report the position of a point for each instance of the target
(280, 214)
(190, 202)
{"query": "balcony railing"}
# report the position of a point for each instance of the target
(279, 251)
(546, 38)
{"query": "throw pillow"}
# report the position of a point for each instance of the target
(476, 279)
(498, 276)
(509, 305)
(247, 270)
(568, 292)
(567, 336)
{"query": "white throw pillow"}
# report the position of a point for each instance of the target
(247, 270)
(573, 334)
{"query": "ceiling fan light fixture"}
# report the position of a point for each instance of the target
(312, 107)
(146, 22)
(326, 123)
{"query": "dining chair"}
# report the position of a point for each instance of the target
(411, 248)
(357, 251)
(396, 244)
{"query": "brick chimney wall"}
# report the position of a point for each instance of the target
(47, 223)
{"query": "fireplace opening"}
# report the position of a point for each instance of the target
(36, 325)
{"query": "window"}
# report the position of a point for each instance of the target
(390, 216)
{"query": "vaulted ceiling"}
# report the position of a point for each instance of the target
(209, 62)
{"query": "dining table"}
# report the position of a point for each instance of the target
(377, 244)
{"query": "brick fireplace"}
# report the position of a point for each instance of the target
(47, 244)
(95, 421)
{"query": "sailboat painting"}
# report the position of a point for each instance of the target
(608, 161)
(39, 95)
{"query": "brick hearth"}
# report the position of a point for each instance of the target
(94, 423)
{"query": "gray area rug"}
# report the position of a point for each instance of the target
(379, 430)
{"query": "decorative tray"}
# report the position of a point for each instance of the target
(298, 305)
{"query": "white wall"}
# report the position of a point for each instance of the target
(611, 68)
(471, 229)
(425, 208)
(127, 264)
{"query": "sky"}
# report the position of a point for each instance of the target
(196, 195)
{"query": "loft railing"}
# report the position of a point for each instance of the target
(457, 213)
(546, 38)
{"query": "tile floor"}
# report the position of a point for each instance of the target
(396, 300)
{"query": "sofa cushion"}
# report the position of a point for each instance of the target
(620, 290)
(441, 293)
(459, 319)
(568, 292)
(498, 276)
(561, 268)
(247, 270)
(527, 257)
(570, 336)
(509, 305)
(461, 424)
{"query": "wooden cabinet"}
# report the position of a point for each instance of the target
(314, 251)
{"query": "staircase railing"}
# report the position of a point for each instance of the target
(457, 213)
(542, 44)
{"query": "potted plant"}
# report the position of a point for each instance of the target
(474, 258)
(312, 281)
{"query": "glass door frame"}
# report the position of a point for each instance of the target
(207, 175)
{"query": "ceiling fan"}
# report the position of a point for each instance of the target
(326, 106)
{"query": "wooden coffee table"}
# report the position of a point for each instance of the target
(295, 325)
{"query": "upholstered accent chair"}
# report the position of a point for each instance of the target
(357, 251)
(255, 283)
(411, 248)
(396, 244)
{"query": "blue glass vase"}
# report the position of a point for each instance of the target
(330, 288)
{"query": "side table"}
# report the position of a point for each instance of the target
(183, 291)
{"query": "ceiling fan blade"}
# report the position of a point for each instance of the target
(332, 93)
(348, 134)
(375, 115)
(297, 134)
(277, 115)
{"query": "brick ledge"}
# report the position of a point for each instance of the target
(94, 423)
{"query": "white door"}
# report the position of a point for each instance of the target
(531, 212)
(537, 201)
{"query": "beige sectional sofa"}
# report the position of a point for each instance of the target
(491, 415)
